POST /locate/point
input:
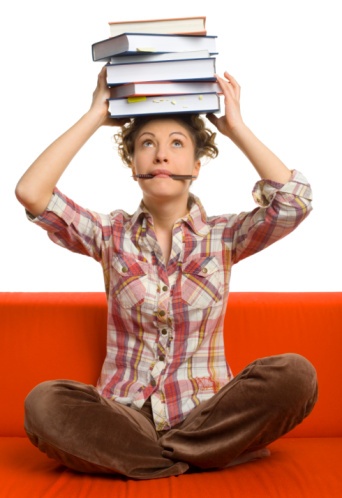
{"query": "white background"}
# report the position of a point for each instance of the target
(286, 55)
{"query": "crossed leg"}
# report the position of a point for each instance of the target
(266, 400)
(73, 424)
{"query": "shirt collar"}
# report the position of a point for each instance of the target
(196, 218)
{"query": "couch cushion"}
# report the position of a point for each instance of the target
(297, 467)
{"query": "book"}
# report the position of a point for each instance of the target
(178, 70)
(180, 25)
(172, 104)
(158, 88)
(165, 56)
(135, 43)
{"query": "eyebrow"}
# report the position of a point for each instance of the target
(172, 133)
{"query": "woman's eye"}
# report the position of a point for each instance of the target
(147, 143)
(177, 143)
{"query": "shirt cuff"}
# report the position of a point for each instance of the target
(265, 190)
(57, 214)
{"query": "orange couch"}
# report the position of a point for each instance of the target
(62, 335)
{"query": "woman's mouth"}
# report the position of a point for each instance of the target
(163, 174)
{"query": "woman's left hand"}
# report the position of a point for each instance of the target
(232, 120)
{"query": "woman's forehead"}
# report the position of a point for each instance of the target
(161, 126)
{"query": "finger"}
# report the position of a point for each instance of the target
(231, 78)
(226, 87)
(102, 77)
(234, 84)
(103, 69)
(118, 121)
(212, 118)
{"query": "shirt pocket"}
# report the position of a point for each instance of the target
(202, 282)
(129, 281)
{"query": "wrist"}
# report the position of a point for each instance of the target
(96, 116)
(240, 134)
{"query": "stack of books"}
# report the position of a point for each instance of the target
(160, 66)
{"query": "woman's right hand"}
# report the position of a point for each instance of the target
(99, 103)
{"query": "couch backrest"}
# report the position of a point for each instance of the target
(62, 335)
(307, 323)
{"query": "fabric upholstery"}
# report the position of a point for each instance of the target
(46, 336)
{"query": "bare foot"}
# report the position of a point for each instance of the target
(250, 456)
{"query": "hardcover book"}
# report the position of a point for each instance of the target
(165, 56)
(180, 25)
(164, 88)
(176, 70)
(135, 43)
(172, 104)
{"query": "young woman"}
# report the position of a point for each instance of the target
(166, 401)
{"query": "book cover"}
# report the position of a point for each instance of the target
(139, 106)
(135, 43)
(177, 25)
(176, 70)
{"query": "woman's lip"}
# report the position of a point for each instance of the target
(161, 175)
(161, 172)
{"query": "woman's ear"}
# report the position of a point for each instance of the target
(134, 171)
(197, 167)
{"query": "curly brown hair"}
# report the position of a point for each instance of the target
(203, 138)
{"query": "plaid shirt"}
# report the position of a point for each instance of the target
(165, 322)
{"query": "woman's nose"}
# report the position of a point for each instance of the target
(160, 156)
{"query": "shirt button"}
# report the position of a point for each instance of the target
(204, 270)
(162, 357)
(124, 269)
(153, 383)
(165, 288)
(161, 313)
(164, 331)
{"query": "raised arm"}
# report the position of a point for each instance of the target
(266, 163)
(36, 186)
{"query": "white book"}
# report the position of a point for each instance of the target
(135, 43)
(178, 70)
(167, 56)
(172, 104)
(164, 88)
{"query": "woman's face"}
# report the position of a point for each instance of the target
(164, 147)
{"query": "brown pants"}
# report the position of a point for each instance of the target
(73, 424)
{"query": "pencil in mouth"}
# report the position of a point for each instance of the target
(149, 176)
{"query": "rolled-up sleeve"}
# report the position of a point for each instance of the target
(74, 227)
(281, 208)
(297, 187)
